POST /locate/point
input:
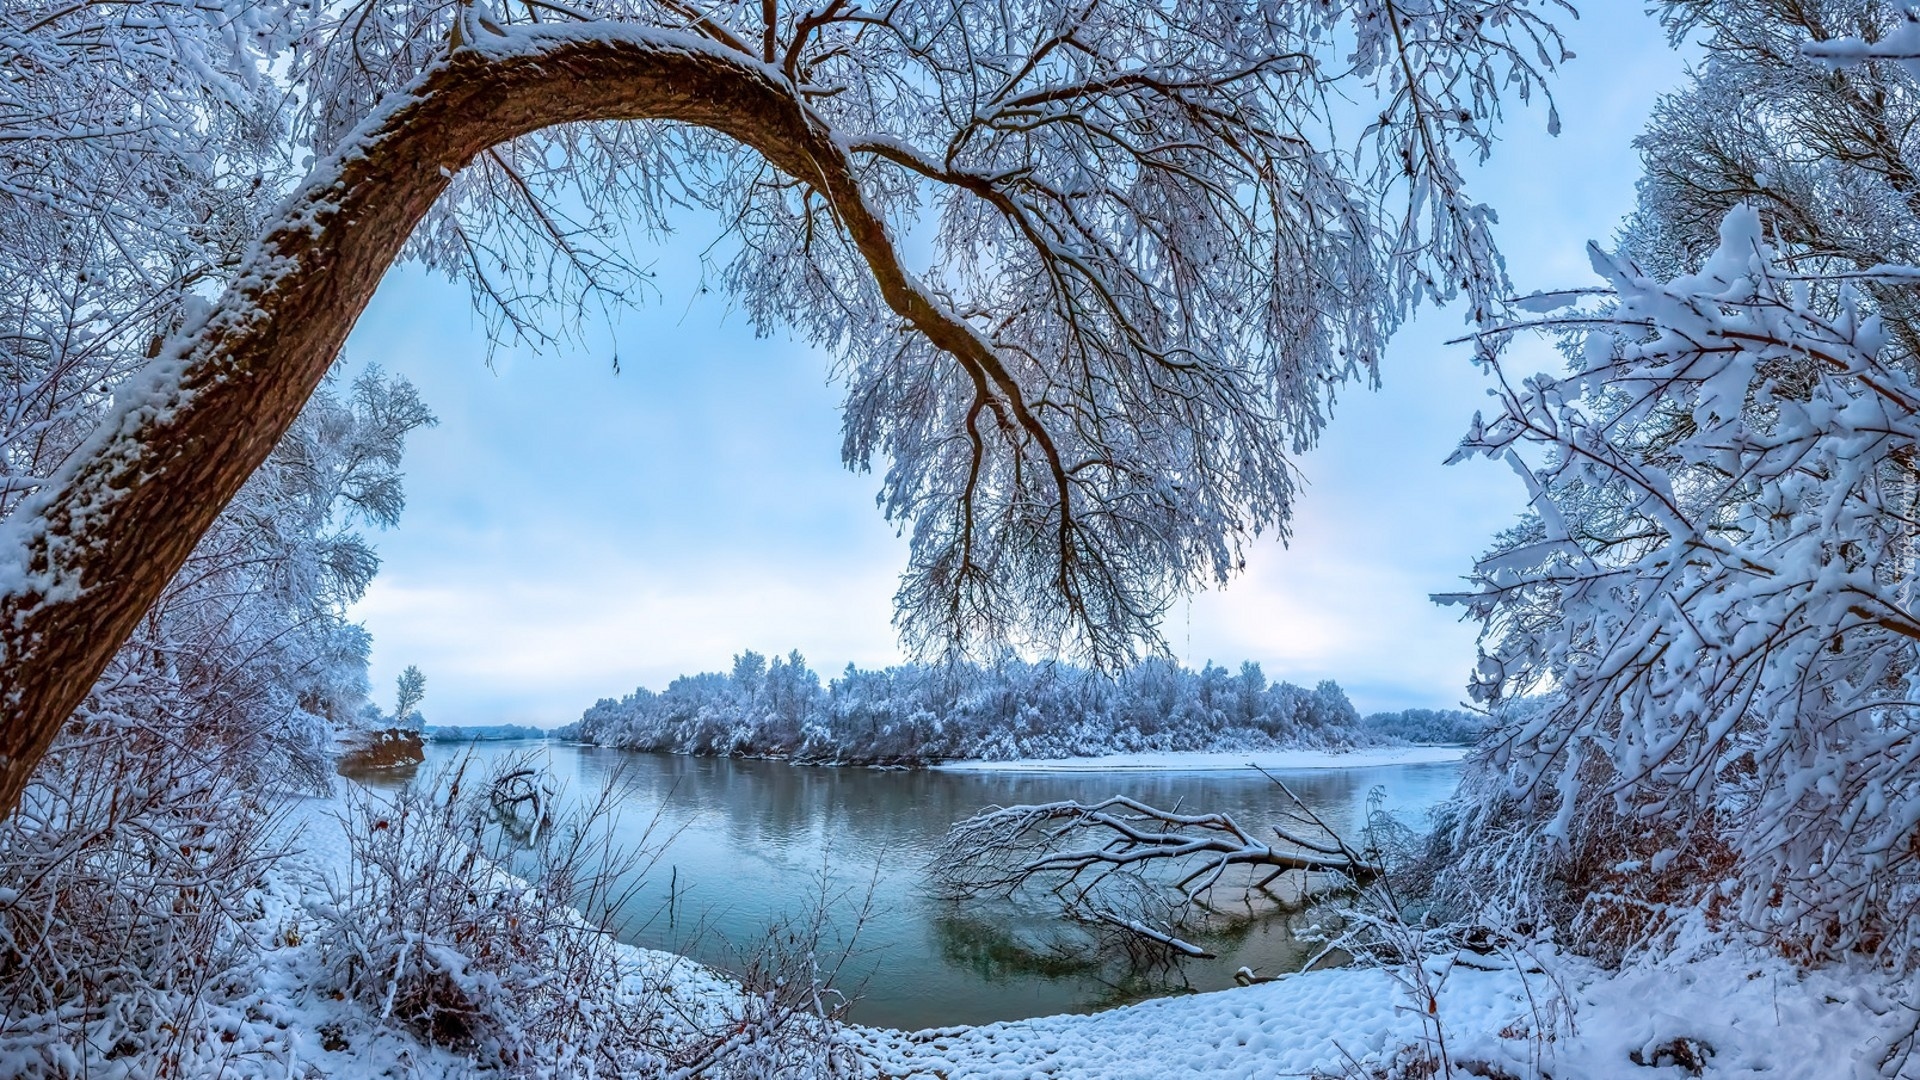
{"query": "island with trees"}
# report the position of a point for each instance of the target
(919, 714)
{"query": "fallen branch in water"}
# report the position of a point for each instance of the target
(1122, 863)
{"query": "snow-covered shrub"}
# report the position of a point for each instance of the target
(1714, 593)
(432, 928)
(131, 857)
(489, 929)
(1615, 885)
(124, 876)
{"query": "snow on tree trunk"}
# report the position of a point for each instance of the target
(88, 553)
(1156, 255)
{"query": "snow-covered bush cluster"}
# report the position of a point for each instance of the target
(1713, 592)
(482, 921)
(919, 713)
(145, 826)
(139, 153)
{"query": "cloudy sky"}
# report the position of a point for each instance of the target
(572, 533)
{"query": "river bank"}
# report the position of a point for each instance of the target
(1550, 1015)
(1727, 1015)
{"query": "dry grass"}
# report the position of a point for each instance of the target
(485, 924)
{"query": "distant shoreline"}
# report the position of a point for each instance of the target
(1222, 760)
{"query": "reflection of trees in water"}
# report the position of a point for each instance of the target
(391, 778)
(763, 800)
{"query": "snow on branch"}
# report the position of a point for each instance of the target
(1716, 584)
(1155, 256)
(1900, 44)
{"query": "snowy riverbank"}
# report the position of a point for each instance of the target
(1222, 761)
(1729, 1016)
(1733, 1015)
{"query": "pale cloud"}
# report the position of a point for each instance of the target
(540, 649)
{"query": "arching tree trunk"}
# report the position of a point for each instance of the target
(83, 559)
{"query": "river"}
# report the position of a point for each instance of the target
(749, 843)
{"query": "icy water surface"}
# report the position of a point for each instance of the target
(753, 842)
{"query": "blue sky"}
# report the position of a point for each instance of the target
(572, 533)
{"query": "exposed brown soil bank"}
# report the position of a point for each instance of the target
(392, 748)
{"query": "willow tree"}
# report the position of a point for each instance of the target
(1162, 234)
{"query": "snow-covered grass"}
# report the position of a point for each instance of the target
(1223, 761)
(297, 1025)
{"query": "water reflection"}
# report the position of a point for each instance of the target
(755, 842)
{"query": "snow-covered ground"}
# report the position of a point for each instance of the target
(1223, 761)
(1748, 1016)
(1745, 1017)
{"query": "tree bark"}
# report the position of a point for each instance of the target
(85, 557)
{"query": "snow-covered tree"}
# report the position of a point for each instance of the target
(1154, 254)
(140, 152)
(142, 148)
(1713, 593)
(409, 690)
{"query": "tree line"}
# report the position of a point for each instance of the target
(921, 713)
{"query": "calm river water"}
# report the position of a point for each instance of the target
(754, 842)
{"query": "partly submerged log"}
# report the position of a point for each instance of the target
(1003, 848)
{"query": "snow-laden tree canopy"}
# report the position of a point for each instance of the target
(1158, 237)
(1713, 592)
